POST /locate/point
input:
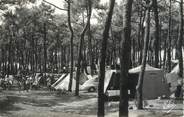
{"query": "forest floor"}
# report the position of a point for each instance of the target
(48, 104)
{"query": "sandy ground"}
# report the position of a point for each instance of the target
(48, 104)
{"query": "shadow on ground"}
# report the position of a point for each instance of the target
(45, 103)
(7, 104)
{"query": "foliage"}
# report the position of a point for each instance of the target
(24, 28)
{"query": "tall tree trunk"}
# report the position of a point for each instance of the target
(55, 59)
(9, 51)
(81, 48)
(142, 37)
(125, 58)
(62, 53)
(165, 54)
(133, 52)
(101, 95)
(91, 54)
(180, 41)
(169, 41)
(113, 52)
(157, 34)
(9, 57)
(45, 52)
(71, 44)
(36, 56)
(146, 41)
(3, 59)
(140, 27)
(160, 49)
(32, 52)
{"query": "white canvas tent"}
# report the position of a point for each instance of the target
(147, 68)
(153, 84)
(59, 80)
(108, 75)
(63, 81)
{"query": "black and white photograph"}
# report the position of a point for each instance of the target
(91, 58)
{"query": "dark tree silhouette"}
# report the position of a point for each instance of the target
(180, 41)
(157, 33)
(125, 58)
(146, 41)
(71, 43)
(168, 65)
(101, 97)
(79, 61)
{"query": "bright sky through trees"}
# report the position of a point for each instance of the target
(60, 3)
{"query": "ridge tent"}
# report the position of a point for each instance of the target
(153, 84)
(59, 80)
(112, 84)
(147, 68)
(108, 77)
(92, 81)
(63, 81)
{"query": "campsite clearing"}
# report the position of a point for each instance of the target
(46, 104)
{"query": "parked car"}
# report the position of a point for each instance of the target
(90, 85)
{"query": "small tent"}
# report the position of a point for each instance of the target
(59, 80)
(63, 81)
(63, 84)
(108, 76)
(153, 84)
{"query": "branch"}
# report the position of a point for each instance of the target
(88, 18)
(54, 5)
